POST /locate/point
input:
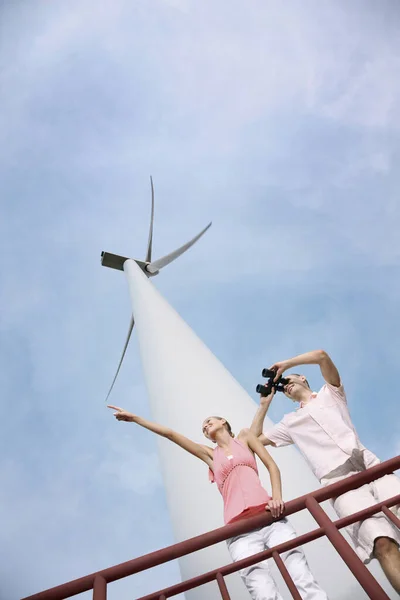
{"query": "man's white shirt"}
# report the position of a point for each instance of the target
(323, 432)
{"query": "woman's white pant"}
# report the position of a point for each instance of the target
(258, 578)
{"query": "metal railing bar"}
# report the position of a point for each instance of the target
(286, 576)
(301, 540)
(390, 515)
(189, 584)
(199, 542)
(346, 552)
(222, 587)
(99, 588)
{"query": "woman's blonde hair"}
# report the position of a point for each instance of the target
(227, 425)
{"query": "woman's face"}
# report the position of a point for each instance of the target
(211, 426)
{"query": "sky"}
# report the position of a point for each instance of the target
(280, 122)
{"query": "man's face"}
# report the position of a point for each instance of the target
(297, 384)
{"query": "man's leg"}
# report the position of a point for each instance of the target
(385, 549)
(257, 578)
(387, 552)
(295, 560)
(387, 487)
(375, 537)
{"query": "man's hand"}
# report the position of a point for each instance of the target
(276, 506)
(121, 414)
(280, 368)
(266, 400)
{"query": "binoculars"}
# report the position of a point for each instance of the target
(266, 389)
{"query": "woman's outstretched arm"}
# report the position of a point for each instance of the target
(276, 504)
(198, 450)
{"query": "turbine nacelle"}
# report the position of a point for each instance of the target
(115, 261)
(149, 267)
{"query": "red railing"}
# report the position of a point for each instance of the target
(98, 581)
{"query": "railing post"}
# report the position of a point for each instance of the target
(99, 588)
(285, 574)
(359, 570)
(390, 515)
(222, 587)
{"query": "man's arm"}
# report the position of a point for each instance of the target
(315, 357)
(256, 426)
(265, 441)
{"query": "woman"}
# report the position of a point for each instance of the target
(232, 466)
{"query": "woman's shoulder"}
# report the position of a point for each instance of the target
(243, 438)
(243, 434)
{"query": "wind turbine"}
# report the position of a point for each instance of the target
(173, 357)
(148, 266)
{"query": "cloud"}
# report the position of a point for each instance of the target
(281, 124)
(136, 471)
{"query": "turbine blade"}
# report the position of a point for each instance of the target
(165, 260)
(150, 242)
(128, 337)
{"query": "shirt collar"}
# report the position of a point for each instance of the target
(312, 396)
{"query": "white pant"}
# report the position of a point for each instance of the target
(258, 578)
(364, 533)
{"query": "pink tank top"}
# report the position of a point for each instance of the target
(238, 481)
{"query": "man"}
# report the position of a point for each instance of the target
(323, 431)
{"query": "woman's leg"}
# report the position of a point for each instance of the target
(295, 560)
(257, 578)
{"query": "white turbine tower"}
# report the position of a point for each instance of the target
(186, 383)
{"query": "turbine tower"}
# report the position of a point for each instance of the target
(186, 383)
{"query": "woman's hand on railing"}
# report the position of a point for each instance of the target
(276, 506)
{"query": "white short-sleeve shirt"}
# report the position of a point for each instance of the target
(322, 430)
